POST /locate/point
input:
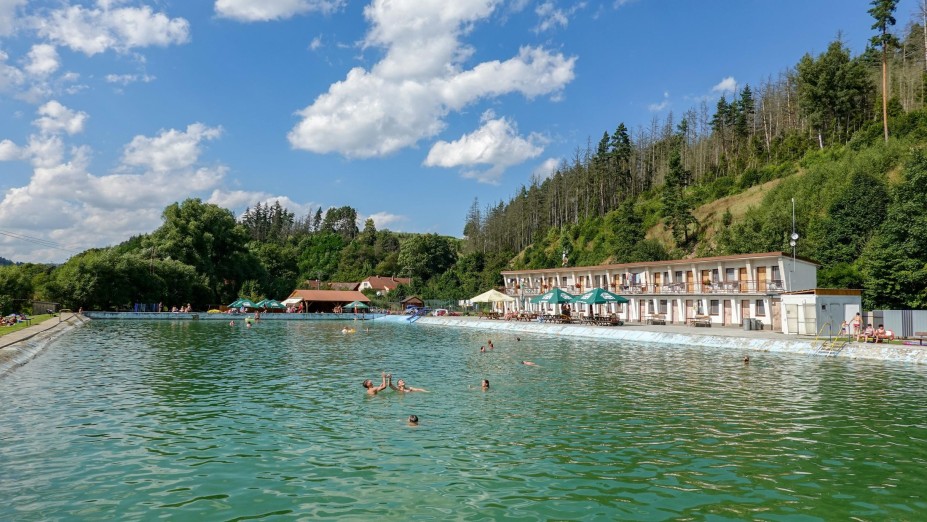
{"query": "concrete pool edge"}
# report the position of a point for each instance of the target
(18, 348)
(730, 338)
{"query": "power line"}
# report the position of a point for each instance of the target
(47, 243)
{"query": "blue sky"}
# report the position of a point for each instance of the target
(406, 110)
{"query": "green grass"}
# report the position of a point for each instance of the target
(36, 319)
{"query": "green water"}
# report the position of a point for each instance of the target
(203, 421)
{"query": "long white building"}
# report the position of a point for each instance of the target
(721, 290)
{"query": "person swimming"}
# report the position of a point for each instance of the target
(373, 390)
(413, 420)
(485, 384)
(528, 363)
(402, 387)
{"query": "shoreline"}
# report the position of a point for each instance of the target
(20, 347)
(723, 337)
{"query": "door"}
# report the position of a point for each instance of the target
(744, 309)
(690, 282)
(761, 278)
(742, 277)
(726, 317)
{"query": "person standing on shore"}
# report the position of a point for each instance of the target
(857, 325)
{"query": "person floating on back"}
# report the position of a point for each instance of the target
(402, 386)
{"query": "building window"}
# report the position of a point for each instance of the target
(678, 276)
(714, 307)
(730, 274)
(715, 275)
(662, 306)
(775, 274)
(760, 307)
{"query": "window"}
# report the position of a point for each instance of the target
(760, 307)
(661, 308)
(730, 274)
(714, 307)
(678, 276)
(775, 274)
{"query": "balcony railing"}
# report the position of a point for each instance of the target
(753, 287)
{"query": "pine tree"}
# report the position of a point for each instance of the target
(882, 13)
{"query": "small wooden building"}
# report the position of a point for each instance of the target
(411, 301)
(324, 301)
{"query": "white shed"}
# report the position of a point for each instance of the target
(819, 311)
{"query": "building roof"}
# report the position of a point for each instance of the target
(343, 286)
(387, 283)
(330, 296)
(651, 264)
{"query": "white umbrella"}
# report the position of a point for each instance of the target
(493, 296)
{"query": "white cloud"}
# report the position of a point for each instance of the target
(727, 85)
(552, 16)
(316, 43)
(10, 76)
(171, 150)
(546, 169)
(43, 60)
(9, 151)
(264, 10)
(64, 202)
(126, 79)
(56, 118)
(657, 107)
(96, 30)
(406, 96)
(496, 144)
(383, 220)
(8, 15)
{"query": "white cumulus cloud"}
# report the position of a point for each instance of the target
(43, 60)
(546, 169)
(55, 118)
(405, 97)
(264, 10)
(99, 29)
(171, 150)
(727, 85)
(8, 15)
(496, 144)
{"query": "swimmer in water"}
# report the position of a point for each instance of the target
(746, 359)
(401, 386)
(373, 390)
(482, 349)
(528, 363)
(485, 384)
(413, 420)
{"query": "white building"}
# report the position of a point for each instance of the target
(721, 290)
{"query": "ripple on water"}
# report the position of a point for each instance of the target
(142, 420)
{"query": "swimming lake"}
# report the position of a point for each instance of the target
(199, 420)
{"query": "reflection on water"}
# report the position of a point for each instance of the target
(141, 420)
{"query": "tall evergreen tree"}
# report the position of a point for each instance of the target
(882, 11)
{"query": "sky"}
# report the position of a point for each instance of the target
(406, 110)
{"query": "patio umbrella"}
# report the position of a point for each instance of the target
(272, 304)
(555, 296)
(240, 302)
(599, 296)
(355, 305)
(492, 296)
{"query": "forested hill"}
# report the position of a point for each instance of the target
(721, 180)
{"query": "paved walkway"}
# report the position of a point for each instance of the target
(12, 345)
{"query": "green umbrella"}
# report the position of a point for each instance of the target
(599, 296)
(247, 303)
(272, 304)
(555, 296)
(355, 305)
